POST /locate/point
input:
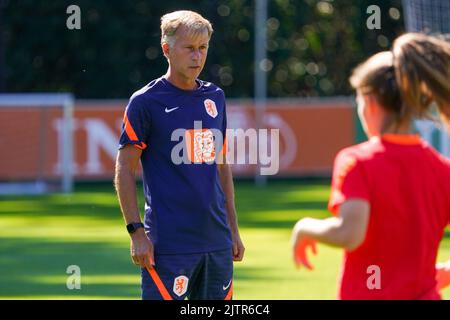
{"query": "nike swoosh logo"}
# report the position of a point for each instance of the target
(171, 109)
(228, 285)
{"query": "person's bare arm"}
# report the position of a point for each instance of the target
(226, 180)
(126, 165)
(348, 230)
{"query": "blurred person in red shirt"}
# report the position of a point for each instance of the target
(390, 196)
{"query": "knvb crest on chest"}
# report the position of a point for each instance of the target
(210, 107)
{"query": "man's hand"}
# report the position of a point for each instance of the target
(142, 249)
(238, 247)
(299, 245)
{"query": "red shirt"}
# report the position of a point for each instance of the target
(407, 184)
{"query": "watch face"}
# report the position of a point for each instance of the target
(131, 228)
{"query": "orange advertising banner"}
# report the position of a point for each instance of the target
(310, 133)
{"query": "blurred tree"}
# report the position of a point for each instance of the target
(2, 48)
(312, 45)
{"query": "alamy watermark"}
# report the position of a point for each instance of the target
(374, 20)
(374, 280)
(251, 146)
(74, 280)
(74, 20)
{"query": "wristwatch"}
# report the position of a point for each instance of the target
(132, 227)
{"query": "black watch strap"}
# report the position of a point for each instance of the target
(132, 227)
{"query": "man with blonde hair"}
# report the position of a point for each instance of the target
(176, 126)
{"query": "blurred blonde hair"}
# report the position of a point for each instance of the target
(191, 20)
(422, 70)
(408, 79)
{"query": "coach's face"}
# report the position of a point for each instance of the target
(187, 56)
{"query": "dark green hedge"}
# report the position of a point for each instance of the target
(312, 45)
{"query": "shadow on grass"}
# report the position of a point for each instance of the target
(34, 267)
(265, 207)
(268, 214)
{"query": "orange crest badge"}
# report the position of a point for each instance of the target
(200, 145)
(180, 285)
(210, 107)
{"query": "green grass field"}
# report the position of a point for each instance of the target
(41, 236)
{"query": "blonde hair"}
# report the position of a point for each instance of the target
(422, 70)
(193, 21)
(408, 79)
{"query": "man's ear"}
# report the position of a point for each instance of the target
(166, 49)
